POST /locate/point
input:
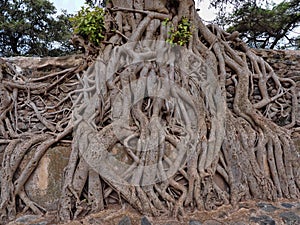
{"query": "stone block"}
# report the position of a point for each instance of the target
(44, 185)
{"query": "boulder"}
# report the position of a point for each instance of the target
(44, 186)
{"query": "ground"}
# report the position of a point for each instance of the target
(250, 212)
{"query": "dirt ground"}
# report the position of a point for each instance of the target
(250, 212)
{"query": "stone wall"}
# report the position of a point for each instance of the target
(286, 64)
(44, 185)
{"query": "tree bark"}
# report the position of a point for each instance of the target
(165, 128)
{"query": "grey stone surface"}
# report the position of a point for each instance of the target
(125, 221)
(27, 218)
(290, 218)
(45, 190)
(263, 220)
(267, 207)
(238, 223)
(145, 221)
(287, 205)
(213, 222)
(195, 222)
(40, 223)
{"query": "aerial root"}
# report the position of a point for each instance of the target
(202, 136)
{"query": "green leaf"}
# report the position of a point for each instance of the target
(90, 22)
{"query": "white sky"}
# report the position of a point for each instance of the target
(74, 5)
(70, 5)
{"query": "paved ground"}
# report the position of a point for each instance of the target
(283, 212)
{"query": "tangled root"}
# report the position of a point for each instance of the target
(163, 128)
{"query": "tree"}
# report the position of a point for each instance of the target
(30, 28)
(198, 123)
(266, 26)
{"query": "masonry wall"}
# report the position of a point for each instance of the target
(45, 184)
(286, 63)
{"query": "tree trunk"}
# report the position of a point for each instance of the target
(197, 123)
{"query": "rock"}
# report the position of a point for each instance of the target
(40, 223)
(238, 223)
(290, 218)
(288, 62)
(276, 56)
(93, 221)
(145, 221)
(287, 205)
(44, 186)
(27, 219)
(125, 221)
(263, 220)
(32, 220)
(194, 222)
(213, 222)
(267, 207)
(223, 215)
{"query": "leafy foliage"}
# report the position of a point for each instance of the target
(30, 28)
(89, 23)
(265, 26)
(180, 35)
(93, 3)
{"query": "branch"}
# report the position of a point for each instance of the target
(151, 14)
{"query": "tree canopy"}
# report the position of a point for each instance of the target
(31, 28)
(263, 24)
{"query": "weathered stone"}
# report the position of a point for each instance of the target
(213, 222)
(94, 221)
(267, 207)
(195, 222)
(223, 215)
(287, 205)
(263, 220)
(238, 223)
(290, 218)
(145, 221)
(44, 186)
(40, 223)
(276, 56)
(125, 221)
(288, 62)
(27, 219)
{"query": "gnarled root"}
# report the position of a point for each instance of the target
(163, 128)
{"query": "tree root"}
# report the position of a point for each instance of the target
(165, 128)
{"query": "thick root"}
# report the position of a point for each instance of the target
(161, 127)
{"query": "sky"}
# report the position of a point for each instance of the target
(207, 13)
(74, 5)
